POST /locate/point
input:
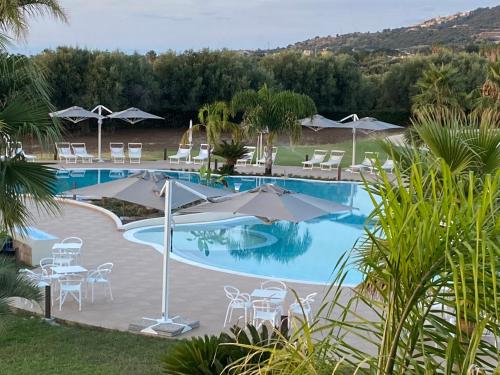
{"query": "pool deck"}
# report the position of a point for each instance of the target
(278, 170)
(195, 293)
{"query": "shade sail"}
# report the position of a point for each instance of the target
(318, 122)
(271, 202)
(144, 189)
(75, 114)
(134, 115)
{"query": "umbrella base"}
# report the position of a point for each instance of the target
(167, 326)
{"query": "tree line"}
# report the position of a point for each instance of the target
(176, 85)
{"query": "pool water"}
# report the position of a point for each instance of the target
(306, 251)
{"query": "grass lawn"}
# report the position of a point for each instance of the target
(32, 346)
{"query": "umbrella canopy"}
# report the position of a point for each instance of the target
(144, 188)
(365, 123)
(75, 114)
(318, 122)
(271, 202)
(134, 115)
(368, 123)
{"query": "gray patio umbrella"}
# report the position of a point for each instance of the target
(75, 114)
(270, 202)
(318, 122)
(365, 123)
(134, 115)
(144, 188)
(159, 191)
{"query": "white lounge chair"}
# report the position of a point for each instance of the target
(334, 161)
(80, 151)
(64, 152)
(100, 276)
(388, 165)
(247, 158)
(20, 151)
(117, 150)
(369, 163)
(262, 161)
(135, 153)
(317, 158)
(182, 153)
(203, 155)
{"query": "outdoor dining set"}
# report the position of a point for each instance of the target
(66, 276)
(265, 305)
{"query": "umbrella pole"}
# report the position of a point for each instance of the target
(353, 146)
(167, 239)
(99, 127)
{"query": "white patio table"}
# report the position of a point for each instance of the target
(66, 246)
(269, 294)
(64, 270)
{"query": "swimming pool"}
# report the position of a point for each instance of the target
(306, 251)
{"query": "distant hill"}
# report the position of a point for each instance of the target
(461, 29)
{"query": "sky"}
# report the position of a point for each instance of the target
(160, 25)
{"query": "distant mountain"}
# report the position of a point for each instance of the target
(460, 29)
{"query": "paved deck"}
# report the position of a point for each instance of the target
(195, 293)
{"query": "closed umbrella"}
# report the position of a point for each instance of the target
(318, 122)
(365, 123)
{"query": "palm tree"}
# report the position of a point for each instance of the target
(272, 113)
(490, 91)
(14, 14)
(437, 88)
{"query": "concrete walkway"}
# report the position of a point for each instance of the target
(196, 293)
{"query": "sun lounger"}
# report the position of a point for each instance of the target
(203, 155)
(388, 166)
(334, 161)
(182, 153)
(135, 153)
(64, 152)
(368, 163)
(80, 151)
(317, 158)
(262, 161)
(117, 152)
(247, 158)
(20, 151)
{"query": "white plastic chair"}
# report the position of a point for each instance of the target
(75, 252)
(64, 152)
(302, 308)
(203, 155)
(100, 276)
(275, 285)
(265, 311)
(336, 157)
(262, 161)
(247, 158)
(117, 150)
(70, 285)
(182, 153)
(62, 258)
(80, 151)
(317, 158)
(237, 301)
(135, 153)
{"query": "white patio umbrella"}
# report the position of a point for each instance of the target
(365, 123)
(134, 115)
(318, 122)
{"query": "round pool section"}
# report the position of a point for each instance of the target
(306, 251)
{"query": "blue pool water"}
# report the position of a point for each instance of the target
(307, 251)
